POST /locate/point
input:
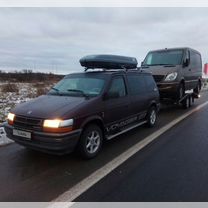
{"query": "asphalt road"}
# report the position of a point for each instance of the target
(151, 175)
(173, 168)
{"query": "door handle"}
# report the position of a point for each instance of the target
(189, 69)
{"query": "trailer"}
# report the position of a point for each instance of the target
(188, 99)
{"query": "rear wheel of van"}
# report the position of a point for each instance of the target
(198, 88)
(151, 116)
(91, 141)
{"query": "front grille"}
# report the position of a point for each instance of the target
(28, 123)
(158, 78)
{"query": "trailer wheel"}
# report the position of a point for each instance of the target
(186, 103)
(190, 101)
(192, 98)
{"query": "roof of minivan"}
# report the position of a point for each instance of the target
(109, 72)
(179, 48)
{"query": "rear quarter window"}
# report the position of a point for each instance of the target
(118, 86)
(136, 84)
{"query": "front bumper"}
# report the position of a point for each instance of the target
(168, 90)
(55, 143)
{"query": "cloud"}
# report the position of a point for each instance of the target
(54, 39)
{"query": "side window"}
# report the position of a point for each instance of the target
(195, 60)
(149, 59)
(192, 59)
(150, 83)
(136, 84)
(118, 87)
(198, 60)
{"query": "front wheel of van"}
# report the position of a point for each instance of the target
(181, 91)
(91, 141)
(151, 116)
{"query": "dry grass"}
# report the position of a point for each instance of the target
(9, 88)
(42, 88)
(41, 91)
(39, 85)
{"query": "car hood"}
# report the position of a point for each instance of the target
(48, 106)
(160, 70)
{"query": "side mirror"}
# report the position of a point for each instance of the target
(142, 63)
(186, 62)
(111, 95)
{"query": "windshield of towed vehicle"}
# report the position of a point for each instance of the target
(78, 86)
(166, 57)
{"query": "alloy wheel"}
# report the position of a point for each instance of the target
(93, 142)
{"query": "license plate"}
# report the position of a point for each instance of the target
(21, 133)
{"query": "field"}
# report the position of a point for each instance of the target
(12, 94)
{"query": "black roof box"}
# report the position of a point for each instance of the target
(108, 62)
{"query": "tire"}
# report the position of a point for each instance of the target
(191, 102)
(151, 116)
(181, 91)
(192, 99)
(91, 141)
(186, 103)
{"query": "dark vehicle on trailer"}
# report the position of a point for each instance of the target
(175, 71)
(84, 109)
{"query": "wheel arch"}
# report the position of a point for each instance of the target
(183, 82)
(94, 120)
(153, 103)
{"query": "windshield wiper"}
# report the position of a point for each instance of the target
(54, 93)
(169, 65)
(53, 88)
(78, 91)
(147, 65)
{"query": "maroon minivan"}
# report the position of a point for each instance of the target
(85, 109)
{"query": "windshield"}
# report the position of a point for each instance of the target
(78, 86)
(167, 57)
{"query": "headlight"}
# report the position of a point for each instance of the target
(57, 125)
(10, 118)
(51, 123)
(171, 76)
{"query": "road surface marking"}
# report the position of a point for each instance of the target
(92, 179)
(60, 205)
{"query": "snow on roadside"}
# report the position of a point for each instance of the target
(9, 99)
(25, 92)
(3, 138)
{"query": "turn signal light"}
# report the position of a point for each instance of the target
(58, 130)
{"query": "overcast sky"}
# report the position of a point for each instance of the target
(54, 39)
